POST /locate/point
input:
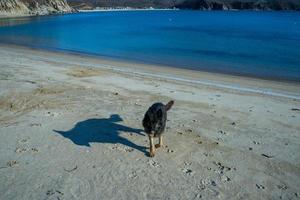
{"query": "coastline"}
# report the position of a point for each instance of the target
(288, 89)
(70, 125)
(134, 9)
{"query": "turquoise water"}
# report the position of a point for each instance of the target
(259, 44)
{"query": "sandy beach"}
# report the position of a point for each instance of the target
(70, 128)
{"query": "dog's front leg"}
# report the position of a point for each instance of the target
(152, 148)
(160, 142)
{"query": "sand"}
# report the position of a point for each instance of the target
(70, 128)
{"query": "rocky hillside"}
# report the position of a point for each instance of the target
(33, 7)
(191, 4)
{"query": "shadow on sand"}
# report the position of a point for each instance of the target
(105, 130)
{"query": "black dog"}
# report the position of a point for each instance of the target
(154, 123)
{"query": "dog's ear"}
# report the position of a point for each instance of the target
(169, 105)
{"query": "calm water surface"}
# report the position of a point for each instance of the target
(260, 44)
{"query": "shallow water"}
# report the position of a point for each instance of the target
(259, 44)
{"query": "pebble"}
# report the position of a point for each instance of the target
(189, 130)
(282, 187)
(186, 163)
(153, 163)
(225, 178)
(129, 150)
(170, 151)
(267, 156)
(20, 150)
(222, 132)
(259, 186)
(50, 192)
(201, 186)
(213, 183)
(187, 171)
(23, 140)
(11, 163)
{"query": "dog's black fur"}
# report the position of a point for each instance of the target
(154, 121)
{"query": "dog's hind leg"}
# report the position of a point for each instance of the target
(152, 148)
(160, 142)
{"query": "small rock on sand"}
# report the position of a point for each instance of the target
(153, 163)
(34, 150)
(11, 163)
(187, 171)
(259, 186)
(267, 156)
(222, 132)
(225, 178)
(189, 130)
(20, 150)
(213, 183)
(295, 109)
(282, 187)
(170, 151)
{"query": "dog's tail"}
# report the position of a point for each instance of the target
(169, 105)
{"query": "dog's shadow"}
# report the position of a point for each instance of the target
(105, 130)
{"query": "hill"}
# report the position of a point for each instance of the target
(33, 7)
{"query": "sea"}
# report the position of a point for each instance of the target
(261, 44)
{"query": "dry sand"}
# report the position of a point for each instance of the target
(70, 128)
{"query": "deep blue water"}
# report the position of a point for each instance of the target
(260, 44)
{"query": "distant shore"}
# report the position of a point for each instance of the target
(12, 15)
(125, 9)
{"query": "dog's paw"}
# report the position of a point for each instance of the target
(151, 154)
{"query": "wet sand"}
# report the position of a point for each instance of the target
(70, 128)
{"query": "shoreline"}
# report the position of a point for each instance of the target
(286, 89)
